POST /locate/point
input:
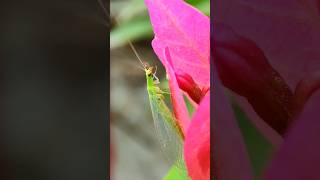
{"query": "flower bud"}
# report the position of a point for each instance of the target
(243, 68)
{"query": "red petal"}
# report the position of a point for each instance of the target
(179, 106)
(187, 84)
(197, 143)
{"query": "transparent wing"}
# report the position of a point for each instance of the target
(170, 142)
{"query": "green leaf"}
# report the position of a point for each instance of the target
(202, 5)
(189, 106)
(176, 173)
(259, 148)
(133, 30)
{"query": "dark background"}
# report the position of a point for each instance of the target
(54, 90)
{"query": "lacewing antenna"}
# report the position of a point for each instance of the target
(136, 53)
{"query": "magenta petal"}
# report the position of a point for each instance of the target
(179, 106)
(186, 31)
(197, 142)
(230, 157)
(299, 156)
(287, 31)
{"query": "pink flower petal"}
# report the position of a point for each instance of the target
(231, 160)
(287, 31)
(197, 143)
(179, 106)
(186, 32)
(299, 156)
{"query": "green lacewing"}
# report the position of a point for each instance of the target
(168, 131)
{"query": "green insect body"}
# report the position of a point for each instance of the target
(168, 131)
(157, 99)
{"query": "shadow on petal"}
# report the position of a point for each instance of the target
(298, 158)
(230, 157)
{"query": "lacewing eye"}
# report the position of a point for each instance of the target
(152, 69)
(149, 71)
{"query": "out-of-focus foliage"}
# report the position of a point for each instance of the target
(131, 21)
(176, 174)
(259, 149)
